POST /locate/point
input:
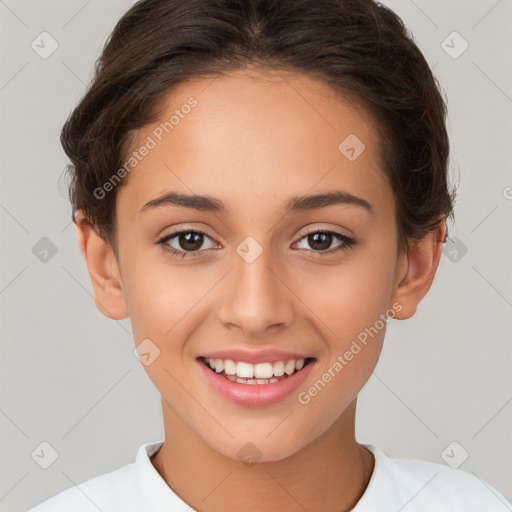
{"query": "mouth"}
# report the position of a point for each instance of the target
(264, 373)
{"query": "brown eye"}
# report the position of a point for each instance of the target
(321, 241)
(181, 243)
(191, 241)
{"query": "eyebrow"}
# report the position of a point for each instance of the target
(294, 204)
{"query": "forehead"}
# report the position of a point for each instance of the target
(247, 135)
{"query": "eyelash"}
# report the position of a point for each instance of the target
(346, 245)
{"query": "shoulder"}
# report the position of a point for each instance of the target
(134, 487)
(98, 493)
(422, 486)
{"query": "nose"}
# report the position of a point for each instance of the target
(256, 299)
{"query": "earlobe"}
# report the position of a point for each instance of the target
(103, 270)
(416, 271)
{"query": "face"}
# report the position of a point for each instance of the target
(255, 273)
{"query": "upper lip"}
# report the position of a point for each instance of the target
(255, 357)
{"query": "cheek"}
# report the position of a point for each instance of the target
(350, 297)
(159, 292)
(160, 302)
(350, 305)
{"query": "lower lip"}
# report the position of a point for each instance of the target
(255, 395)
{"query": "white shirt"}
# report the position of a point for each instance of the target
(410, 485)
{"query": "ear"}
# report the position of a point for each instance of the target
(416, 271)
(103, 269)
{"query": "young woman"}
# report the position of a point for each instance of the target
(259, 185)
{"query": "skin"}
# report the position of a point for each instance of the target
(255, 139)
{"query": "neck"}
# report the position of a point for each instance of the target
(331, 473)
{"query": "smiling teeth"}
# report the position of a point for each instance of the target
(244, 370)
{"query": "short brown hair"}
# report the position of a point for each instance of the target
(359, 47)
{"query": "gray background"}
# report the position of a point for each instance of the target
(68, 374)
